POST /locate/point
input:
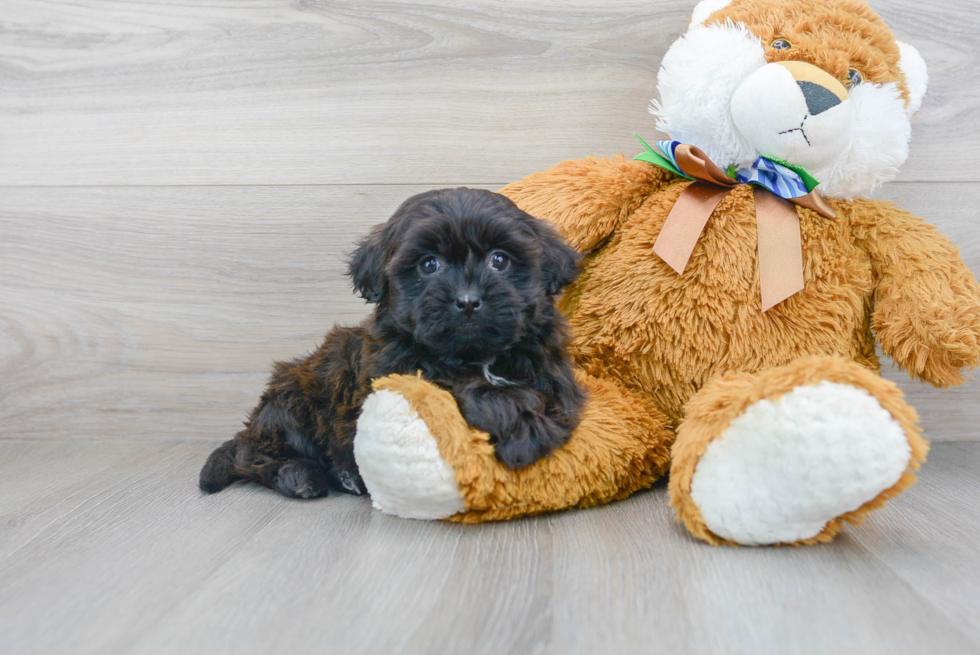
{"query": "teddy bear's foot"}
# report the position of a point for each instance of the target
(789, 454)
(419, 458)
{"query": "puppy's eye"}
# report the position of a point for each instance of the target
(498, 261)
(429, 265)
(780, 44)
(854, 77)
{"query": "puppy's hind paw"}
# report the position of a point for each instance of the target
(301, 478)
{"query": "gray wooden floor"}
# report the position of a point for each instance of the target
(108, 547)
(179, 182)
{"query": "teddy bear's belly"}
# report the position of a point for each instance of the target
(665, 334)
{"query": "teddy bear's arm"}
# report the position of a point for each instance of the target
(586, 199)
(926, 301)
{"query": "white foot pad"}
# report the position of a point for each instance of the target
(400, 461)
(784, 468)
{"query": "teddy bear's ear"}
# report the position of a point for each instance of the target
(705, 8)
(916, 75)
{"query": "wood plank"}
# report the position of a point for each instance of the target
(146, 564)
(43, 477)
(370, 583)
(939, 526)
(155, 312)
(86, 566)
(99, 92)
(630, 579)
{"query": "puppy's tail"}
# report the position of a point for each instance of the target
(219, 470)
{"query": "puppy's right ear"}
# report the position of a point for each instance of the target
(367, 266)
(559, 262)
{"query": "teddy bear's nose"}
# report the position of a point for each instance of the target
(818, 98)
(821, 90)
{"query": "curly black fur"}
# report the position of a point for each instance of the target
(464, 284)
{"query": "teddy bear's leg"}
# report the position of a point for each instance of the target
(419, 458)
(790, 454)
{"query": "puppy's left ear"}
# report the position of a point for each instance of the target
(367, 266)
(559, 261)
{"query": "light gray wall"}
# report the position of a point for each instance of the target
(178, 183)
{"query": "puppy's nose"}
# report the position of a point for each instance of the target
(469, 304)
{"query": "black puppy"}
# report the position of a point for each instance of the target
(464, 285)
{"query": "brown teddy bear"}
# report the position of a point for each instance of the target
(732, 291)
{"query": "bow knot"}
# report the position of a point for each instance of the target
(778, 187)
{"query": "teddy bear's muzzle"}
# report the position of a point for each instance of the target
(794, 111)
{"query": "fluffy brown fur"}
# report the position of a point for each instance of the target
(874, 270)
(664, 335)
(833, 36)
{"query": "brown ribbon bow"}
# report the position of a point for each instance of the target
(777, 221)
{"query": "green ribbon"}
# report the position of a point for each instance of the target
(651, 156)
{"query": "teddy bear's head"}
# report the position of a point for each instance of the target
(817, 83)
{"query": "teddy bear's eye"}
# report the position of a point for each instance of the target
(854, 77)
(781, 44)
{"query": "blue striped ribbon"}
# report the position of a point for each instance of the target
(778, 179)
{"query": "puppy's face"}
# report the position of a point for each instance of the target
(463, 271)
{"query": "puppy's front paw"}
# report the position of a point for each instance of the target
(516, 453)
(529, 441)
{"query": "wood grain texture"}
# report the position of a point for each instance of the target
(123, 554)
(99, 92)
(943, 509)
(155, 312)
